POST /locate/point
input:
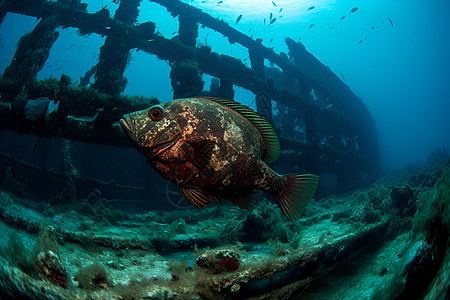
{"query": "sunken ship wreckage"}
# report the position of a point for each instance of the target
(81, 236)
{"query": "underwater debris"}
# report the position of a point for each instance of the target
(316, 250)
(47, 260)
(36, 109)
(404, 198)
(50, 266)
(224, 260)
(93, 277)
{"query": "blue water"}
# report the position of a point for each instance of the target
(401, 71)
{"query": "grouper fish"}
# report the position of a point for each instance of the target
(217, 151)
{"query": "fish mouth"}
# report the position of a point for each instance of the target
(126, 126)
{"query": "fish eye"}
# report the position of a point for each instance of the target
(156, 113)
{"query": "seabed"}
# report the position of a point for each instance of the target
(389, 241)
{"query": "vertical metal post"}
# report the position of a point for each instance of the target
(115, 52)
(185, 75)
(262, 99)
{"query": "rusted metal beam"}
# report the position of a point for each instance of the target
(82, 114)
(114, 54)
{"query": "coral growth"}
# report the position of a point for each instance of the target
(404, 199)
(46, 259)
(93, 277)
(227, 264)
(49, 265)
(186, 79)
(224, 260)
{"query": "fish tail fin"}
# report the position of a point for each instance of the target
(296, 194)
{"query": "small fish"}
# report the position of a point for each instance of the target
(274, 4)
(343, 17)
(390, 21)
(204, 1)
(217, 151)
(329, 106)
(360, 41)
(108, 27)
(271, 40)
(264, 21)
(238, 19)
(273, 21)
(220, 2)
(354, 9)
(281, 9)
(373, 27)
(250, 30)
(270, 17)
(211, 229)
(342, 75)
(311, 8)
(311, 26)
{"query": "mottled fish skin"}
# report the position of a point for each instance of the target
(214, 149)
(235, 167)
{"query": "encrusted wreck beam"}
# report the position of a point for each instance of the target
(144, 38)
(82, 114)
(32, 52)
(114, 54)
(178, 8)
(342, 96)
(185, 76)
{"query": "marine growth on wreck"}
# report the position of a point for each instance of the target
(281, 200)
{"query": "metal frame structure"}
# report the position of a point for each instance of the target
(340, 135)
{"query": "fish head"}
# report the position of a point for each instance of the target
(153, 130)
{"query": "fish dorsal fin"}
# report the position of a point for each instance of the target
(270, 139)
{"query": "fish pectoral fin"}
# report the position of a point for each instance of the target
(202, 154)
(246, 202)
(198, 197)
